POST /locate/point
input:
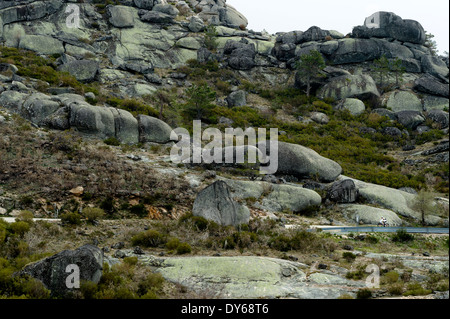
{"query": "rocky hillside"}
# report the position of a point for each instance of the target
(91, 90)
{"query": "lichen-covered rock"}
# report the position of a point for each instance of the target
(404, 101)
(41, 44)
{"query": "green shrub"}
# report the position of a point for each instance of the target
(348, 256)
(371, 239)
(416, 289)
(149, 238)
(93, 214)
(390, 277)
(183, 248)
(132, 261)
(302, 241)
(112, 141)
(71, 218)
(25, 216)
(19, 228)
(148, 287)
(401, 236)
(396, 289)
(173, 243)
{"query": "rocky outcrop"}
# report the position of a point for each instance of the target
(153, 130)
(303, 162)
(368, 215)
(398, 201)
(216, 204)
(274, 197)
(389, 25)
(53, 271)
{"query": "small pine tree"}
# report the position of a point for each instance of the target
(309, 67)
(381, 69)
(211, 38)
(200, 98)
(431, 44)
(396, 67)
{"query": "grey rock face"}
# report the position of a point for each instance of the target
(439, 117)
(120, 16)
(314, 34)
(156, 17)
(12, 100)
(144, 4)
(58, 120)
(230, 17)
(320, 118)
(37, 107)
(167, 9)
(215, 203)
(241, 54)
(356, 51)
(93, 120)
(431, 85)
(52, 271)
(343, 192)
(126, 126)
(356, 86)
(82, 70)
(153, 130)
(237, 98)
(391, 131)
(410, 119)
(274, 197)
(196, 24)
(435, 66)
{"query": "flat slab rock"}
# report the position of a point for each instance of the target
(252, 277)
